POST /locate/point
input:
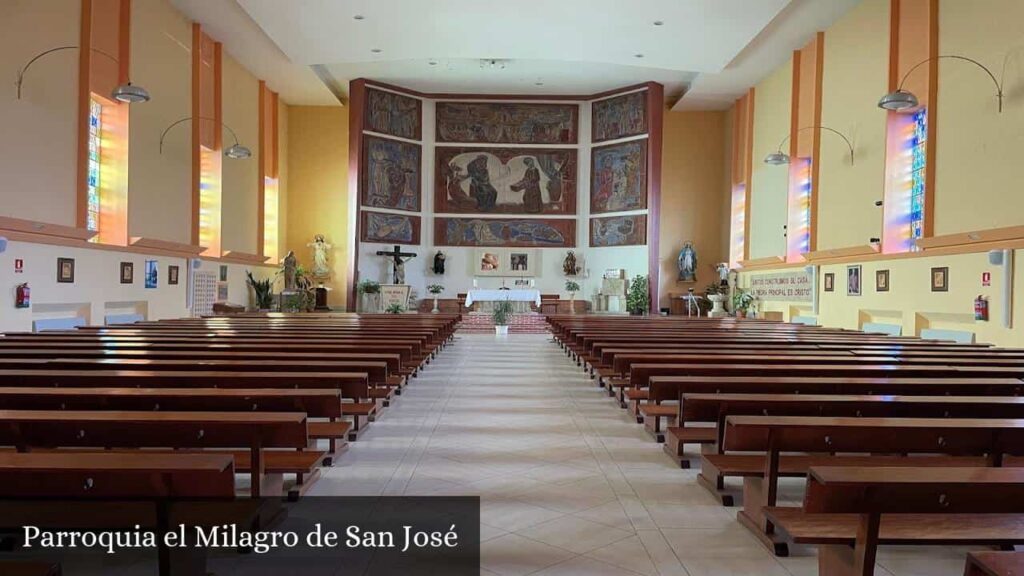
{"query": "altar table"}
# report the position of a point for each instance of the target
(530, 295)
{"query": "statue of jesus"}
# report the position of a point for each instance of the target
(321, 251)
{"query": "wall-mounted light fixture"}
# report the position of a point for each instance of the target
(236, 151)
(127, 93)
(901, 99)
(779, 157)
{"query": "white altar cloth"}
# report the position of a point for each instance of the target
(500, 295)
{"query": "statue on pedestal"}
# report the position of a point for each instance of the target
(321, 255)
(688, 263)
(569, 266)
(439, 259)
(289, 266)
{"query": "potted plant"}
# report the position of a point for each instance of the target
(572, 287)
(501, 315)
(369, 293)
(638, 300)
(741, 301)
(716, 297)
(395, 308)
(263, 291)
(435, 289)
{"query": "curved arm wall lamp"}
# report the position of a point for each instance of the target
(126, 93)
(903, 99)
(236, 151)
(779, 157)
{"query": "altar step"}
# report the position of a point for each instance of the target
(528, 323)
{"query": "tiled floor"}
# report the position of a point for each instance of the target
(569, 484)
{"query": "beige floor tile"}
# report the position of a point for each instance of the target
(574, 534)
(583, 566)
(628, 553)
(513, 555)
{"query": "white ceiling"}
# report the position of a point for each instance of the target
(711, 49)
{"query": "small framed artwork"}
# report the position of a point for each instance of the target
(853, 280)
(222, 291)
(66, 270)
(881, 280)
(223, 273)
(940, 279)
(172, 275)
(830, 282)
(127, 272)
(152, 274)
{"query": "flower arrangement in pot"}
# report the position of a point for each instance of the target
(572, 287)
(741, 301)
(369, 292)
(435, 289)
(501, 314)
(395, 308)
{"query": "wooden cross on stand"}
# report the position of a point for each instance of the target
(397, 264)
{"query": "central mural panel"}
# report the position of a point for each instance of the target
(505, 180)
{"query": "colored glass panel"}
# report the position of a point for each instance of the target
(92, 194)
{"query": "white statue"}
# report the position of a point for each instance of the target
(321, 254)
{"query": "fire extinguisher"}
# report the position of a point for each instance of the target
(981, 308)
(23, 296)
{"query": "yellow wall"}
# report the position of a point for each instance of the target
(160, 185)
(694, 181)
(282, 178)
(977, 178)
(38, 152)
(976, 188)
(770, 184)
(240, 189)
(855, 76)
(318, 188)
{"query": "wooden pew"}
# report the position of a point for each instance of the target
(864, 442)
(28, 429)
(994, 564)
(849, 512)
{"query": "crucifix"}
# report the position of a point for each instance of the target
(397, 264)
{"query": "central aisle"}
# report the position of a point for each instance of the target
(569, 484)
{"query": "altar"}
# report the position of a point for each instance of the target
(520, 298)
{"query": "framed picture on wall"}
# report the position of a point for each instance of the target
(172, 275)
(940, 279)
(881, 280)
(830, 282)
(152, 274)
(853, 279)
(127, 272)
(66, 270)
(489, 263)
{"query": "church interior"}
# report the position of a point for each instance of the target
(574, 287)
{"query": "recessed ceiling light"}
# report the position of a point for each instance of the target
(376, 50)
(358, 17)
(658, 23)
(432, 62)
(638, 55)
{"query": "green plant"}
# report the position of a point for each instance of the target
(502, 312)
(435, 289)
(262, 289)
(638, 300)
(572, 286)
(741, 300)
(395, 308)
(713, 289)
(369, 287)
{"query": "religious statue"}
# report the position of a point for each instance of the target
(688, 263)
(321, 251)
(397, 263)
(723, 273)
(439, 262)
(289, 266)
(569, 266)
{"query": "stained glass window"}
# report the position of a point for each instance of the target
(92, 209)
(798, 228)
(918, 145)
(736, 235)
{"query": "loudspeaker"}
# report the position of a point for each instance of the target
(995, 257)
(3, 244)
